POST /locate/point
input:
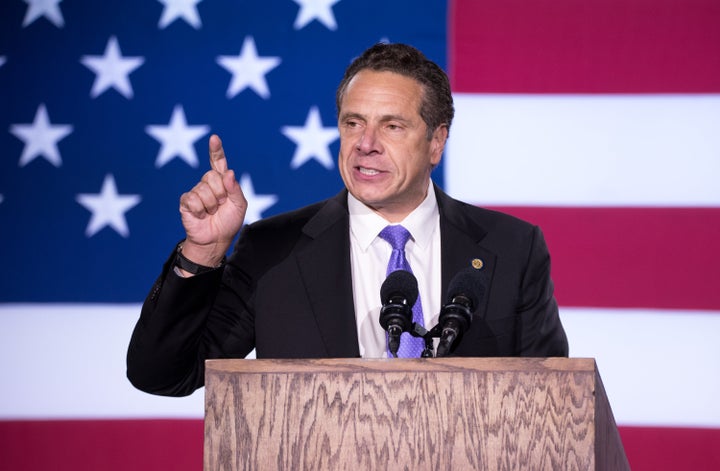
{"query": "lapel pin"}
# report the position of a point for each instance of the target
(477, 263)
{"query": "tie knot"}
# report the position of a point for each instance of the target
(396, 235)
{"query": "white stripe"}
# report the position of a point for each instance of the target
(585, 150)
(68, 361)
(658, 367)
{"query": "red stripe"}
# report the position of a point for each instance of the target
(108, 445)
(119, 445)
(657, 449)
(632, 257)
(589, 46)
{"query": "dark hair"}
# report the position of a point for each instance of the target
(436, 107)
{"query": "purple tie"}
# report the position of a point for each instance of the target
(397, 236)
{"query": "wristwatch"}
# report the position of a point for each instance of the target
(181, 261)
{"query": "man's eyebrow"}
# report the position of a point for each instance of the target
(383, 118)
(394, 117)
(349, 115)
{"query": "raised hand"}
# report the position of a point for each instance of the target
(213, 211)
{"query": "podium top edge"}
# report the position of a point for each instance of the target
(354, 365)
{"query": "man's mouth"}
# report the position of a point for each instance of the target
(368, 171)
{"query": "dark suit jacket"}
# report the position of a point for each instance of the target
(287, 291)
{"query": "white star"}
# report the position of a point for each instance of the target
(248, 70)
(177, 138)
(108, 208)
(112, 70)
(41, 138)
(312, 140)
(185, 9)
(320, 10)
(2, 60)
(256, 203)
(47, 8)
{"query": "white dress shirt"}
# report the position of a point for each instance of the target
(369, 256)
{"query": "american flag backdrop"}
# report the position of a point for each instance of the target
(599, 120)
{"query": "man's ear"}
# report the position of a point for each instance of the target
(437, 144)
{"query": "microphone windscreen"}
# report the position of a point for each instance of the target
(399, 283)
(468, 282)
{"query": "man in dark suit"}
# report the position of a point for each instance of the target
(306, 284)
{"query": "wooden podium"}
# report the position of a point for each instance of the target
(440, 413)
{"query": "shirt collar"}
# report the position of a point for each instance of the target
(365, 224)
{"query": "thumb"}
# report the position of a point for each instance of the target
(234, 192)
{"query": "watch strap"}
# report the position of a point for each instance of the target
(181, 261)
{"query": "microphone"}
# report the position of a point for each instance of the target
(466, 291)
(398, 294)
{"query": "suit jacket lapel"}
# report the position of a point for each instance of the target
(324, 264)
(461, 241)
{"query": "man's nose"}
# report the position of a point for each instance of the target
(368, 142)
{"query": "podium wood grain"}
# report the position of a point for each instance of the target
(459, 413)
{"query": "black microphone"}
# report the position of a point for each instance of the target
(466, 291)
(398, 294)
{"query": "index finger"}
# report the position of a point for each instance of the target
(218, 162)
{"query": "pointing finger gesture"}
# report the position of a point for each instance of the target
(213, 211)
